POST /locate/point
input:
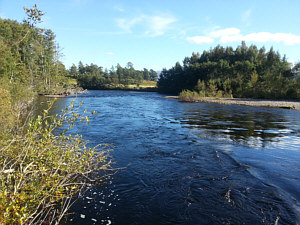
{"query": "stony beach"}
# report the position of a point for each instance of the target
(286, 104)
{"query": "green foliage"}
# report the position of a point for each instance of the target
(243, 72)
(190, 96)
(15, 98)
(202, 90)
(29, 56)
(40, 172)
(6, 113)
(93, 77)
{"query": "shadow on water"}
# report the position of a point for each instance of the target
(191, 163)
(41, 103)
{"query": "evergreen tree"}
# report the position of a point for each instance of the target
(243, 72)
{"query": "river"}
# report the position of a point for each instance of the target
(191, 163)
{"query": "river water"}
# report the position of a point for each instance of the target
(191, 163)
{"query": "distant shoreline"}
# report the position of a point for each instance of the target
(65, 93)
(72, 92)
(141, 89)
(285, 104)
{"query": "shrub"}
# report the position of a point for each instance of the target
(6, 113)
(40, 172)
(190, 96)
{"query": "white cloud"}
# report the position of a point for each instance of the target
(158, 25)
(225, 32)
(151, 25)
(287, 39)
(200, 40)
(233, 34)
(110, 53)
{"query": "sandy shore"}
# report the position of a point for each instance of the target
(250, 102)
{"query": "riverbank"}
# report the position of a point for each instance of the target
(286, 104)
(146, 86)
(65, 93)
(140, 89)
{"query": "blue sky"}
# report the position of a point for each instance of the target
(158, 33)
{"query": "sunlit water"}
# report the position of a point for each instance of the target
(191, 163)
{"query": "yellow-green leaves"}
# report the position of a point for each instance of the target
(6, 113)
(41, 172)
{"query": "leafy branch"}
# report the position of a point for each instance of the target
(41, 173)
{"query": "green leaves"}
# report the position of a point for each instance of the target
(246, 72)
(41, 172)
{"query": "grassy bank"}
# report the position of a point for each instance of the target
(145, 86)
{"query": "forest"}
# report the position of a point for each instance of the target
(30, 58)
(95, 77)
(29, 65)
(246, 72)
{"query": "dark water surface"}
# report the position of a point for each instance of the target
(191, 163)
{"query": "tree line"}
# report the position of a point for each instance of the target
(29, 65)
(42, 168)
(29, 57)
(246, 72)
(95, 77)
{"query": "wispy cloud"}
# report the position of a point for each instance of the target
(158, 25)
(200, 40)
(151, 25)
(228, 32)
(110, 53)
(246, 17)
(128, 24)
(229, 35)
(118, 8)
(92, 31)
(80, 2)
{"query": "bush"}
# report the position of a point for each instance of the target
(15, 97)
(194, 96)
(189, 96)
(40, 172)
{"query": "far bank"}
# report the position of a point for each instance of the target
(285, 104)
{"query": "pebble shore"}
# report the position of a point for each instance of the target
(286, 104)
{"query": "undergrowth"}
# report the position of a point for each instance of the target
(42, 169)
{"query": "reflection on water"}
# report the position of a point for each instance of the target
(249, 125)
(42, 103)
(266, 140)
(191, 163)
